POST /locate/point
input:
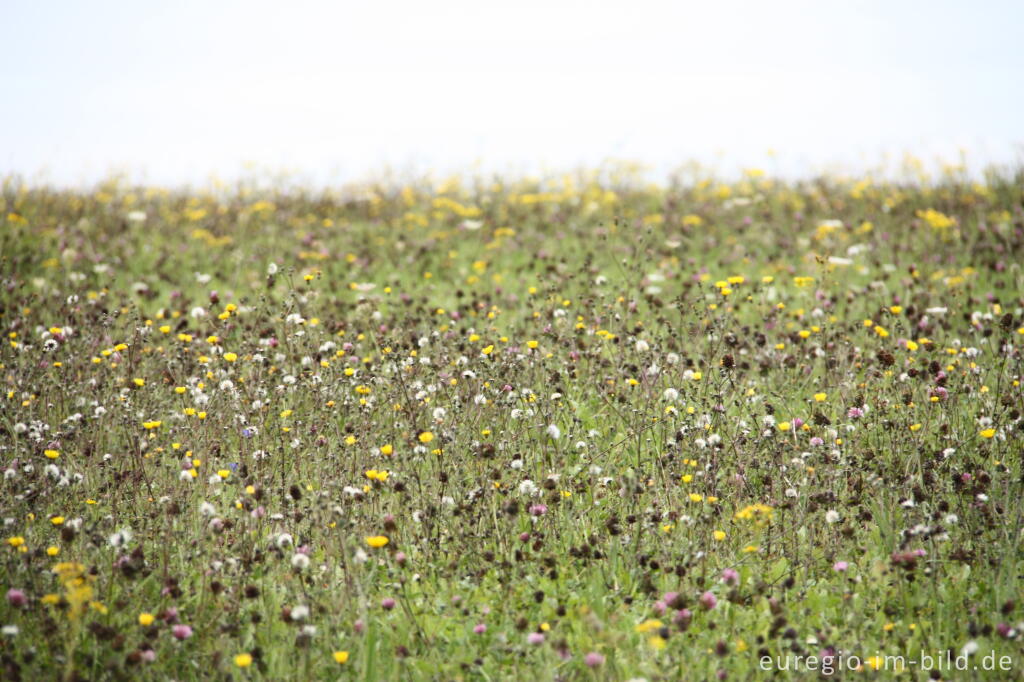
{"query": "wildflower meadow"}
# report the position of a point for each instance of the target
(578, 427)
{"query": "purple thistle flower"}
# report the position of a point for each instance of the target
(16, 597)
(682, 618)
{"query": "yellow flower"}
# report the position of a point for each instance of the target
(426, 437)
(784, 426)
(139, 382)
(719, 535)
(243, 660)
(340, 656)
(760, 514)
(987, 433)
(224, 473)
(230, 357)
(936, 219)
(57, 520)
(696, 497)
(915, 427)
(52, 550)
(377, 541)
(487, 350)
(648, 625)
(146, 619)
(387, 449)
(820, 397)
(51, 454)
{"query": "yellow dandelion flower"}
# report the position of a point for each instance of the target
(649, 625)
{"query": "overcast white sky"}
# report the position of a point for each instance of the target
(174, 92)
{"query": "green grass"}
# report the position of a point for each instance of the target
(495, 314)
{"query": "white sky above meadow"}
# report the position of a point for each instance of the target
(176, 92)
